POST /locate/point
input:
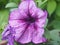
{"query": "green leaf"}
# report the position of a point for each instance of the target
(15, 1)
(11, 5)
(46, 23)
(30, 44)
(15, 43)
(3, 18)
(58, 10)
(40, 3)
(55, 34)
(47, 34)
(43, 6)
(13, 9)
(56, 24)
(54, 43)
(51, 6)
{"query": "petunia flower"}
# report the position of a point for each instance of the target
(26, 24)
(7, 35)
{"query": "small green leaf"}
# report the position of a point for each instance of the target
(13, 9)
(40, 3)
(11, 5)
(55, 34)
(15, 43)
(15, 1)
(51, 6)
(47, 34)
(46, 23)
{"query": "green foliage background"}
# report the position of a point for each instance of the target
(52, 27)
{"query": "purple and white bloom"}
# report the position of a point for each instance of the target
(26, 24)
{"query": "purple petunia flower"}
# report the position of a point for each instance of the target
(26, 24)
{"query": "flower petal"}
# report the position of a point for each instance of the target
(38, 36)
(39, 40)
(6, 32)
(6, 35)
(16, 23)
(10, 40)
(40, 23)
(42, 16)
(26, 35)
(16, 14)
(24, 6)
(32, 7)
(19, 32)
(28, 6)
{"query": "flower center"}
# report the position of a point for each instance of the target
(30, 19)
